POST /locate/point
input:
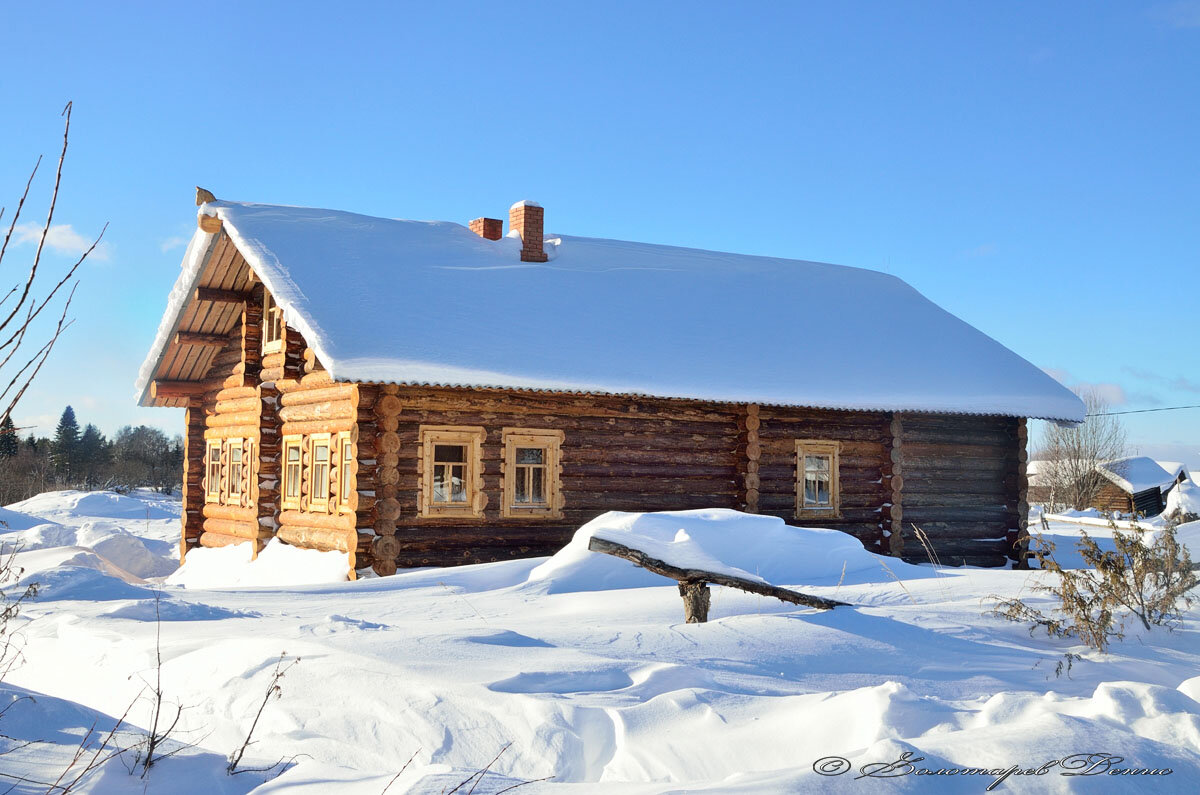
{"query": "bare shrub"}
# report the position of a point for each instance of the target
(18, 317)
(11, 601)
(274, 690)
(1147, 581)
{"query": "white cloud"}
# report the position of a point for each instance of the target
(63, 239)
(173, 242)
(1112, 394)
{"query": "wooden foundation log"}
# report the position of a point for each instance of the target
(320, 538)
(212, 540)
(696, 599)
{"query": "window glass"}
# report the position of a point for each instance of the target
(291, 472)
(320, 471)
(235, 469)
(450, 473)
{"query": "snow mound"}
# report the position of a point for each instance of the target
(106, 539)
(84, 579)
(96, 504)
(760, 548)
(278, 564)
(1183, 501)
(15, 520)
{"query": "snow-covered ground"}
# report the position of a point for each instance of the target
(581, 663)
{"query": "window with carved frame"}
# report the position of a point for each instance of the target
(212, 471)
(293, 467)
(532, 484)
(817, 478)
(451, 471)
(272, 320)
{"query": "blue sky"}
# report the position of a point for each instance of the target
(1032, 167)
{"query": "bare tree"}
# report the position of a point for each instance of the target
(18, 366)
(1071, 456)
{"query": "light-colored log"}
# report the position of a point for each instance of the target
(175, 389)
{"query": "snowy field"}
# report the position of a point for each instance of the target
(579, 666)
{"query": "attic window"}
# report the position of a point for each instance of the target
(531, 473)
(817, 486)
(272, 325)
(452, 471)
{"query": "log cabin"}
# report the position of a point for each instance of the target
(428, 394)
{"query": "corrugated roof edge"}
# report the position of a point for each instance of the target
(880, 409)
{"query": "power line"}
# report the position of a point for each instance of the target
(1144, 411)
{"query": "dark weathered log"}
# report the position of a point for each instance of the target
(700, 576)
(214, 295)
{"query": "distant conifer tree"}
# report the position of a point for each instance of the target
(65, 448)
(9, 444)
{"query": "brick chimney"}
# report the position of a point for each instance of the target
(527, 218)
(490, 228)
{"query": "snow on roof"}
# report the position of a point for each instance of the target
(1175, 468)
(1136, 473)
(430, 302)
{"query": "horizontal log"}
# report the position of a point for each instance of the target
(237, 527)
(335, 425)
(338, 393)
(701, 576)
(200, 340)
(214, 540)
(320, 538)
(319, 411)
(175, 389)
(218, 296)
(341, 521)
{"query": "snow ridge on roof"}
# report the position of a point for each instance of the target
(429, 302)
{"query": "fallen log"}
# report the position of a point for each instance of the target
(693, 583)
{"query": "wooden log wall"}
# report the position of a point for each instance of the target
(193, 478)
(617, 454)
(310, 402)
(232, 411)
(864, 438)
(892, 469)
(961, 487)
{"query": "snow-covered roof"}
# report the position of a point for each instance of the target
(1175, 468)
(430, 302)
(1136, 473)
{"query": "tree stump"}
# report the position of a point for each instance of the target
(696, 597)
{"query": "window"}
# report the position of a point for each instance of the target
(346, 466)
(291, 471)
(212, 472)
(318, 498)
(817, 478)
(452, 471)
(272, 325)
(235, 467)
(531, 473)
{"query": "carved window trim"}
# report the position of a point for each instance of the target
(347, 472)
(213, 470)
(469, 436)
(821, 448)
(540, 438)
(291, 472)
